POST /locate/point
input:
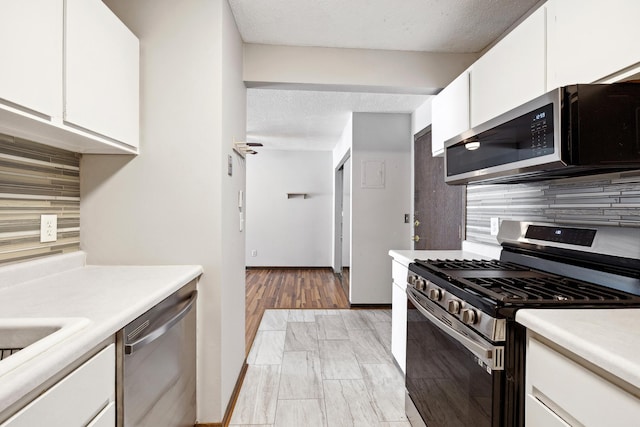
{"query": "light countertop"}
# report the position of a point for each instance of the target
(108, 296)
(468, 251)
(607, 338)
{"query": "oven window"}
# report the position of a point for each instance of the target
(444, 380)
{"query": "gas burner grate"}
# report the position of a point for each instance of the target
(549, 288)
(471, 264)
(6, 352)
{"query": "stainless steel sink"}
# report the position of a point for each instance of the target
(22, 339)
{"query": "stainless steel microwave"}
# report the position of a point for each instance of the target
(572, 130)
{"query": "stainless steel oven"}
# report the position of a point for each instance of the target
(466, 355)
(453, 375)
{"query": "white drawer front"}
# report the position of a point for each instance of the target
(538, 415)
(106, 418)
(574, 392)
(76, 399)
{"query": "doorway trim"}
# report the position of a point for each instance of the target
(337, 213)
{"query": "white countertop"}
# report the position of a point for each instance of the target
(469, 252)
(108, 296)
(607, 338)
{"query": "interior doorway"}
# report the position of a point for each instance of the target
(342, 222)
(439, 217)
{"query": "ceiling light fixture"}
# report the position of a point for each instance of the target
(243, 148)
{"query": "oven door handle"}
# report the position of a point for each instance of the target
(492, 356)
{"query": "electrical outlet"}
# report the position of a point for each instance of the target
(495, 225)
(254, 252)
(48, 228)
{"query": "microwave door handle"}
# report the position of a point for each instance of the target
(484, 353)
(162, 329)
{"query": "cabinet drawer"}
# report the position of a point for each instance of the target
(399, 273)
(76, 399)
(574, 392)
(538, 415)
(106, 418)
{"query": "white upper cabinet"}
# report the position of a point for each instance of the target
(510, 73)
(31, 52)
(589, 40)
(101, 74)
(69, 76)
(450, 113)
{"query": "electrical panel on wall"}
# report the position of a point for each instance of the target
(372, 174)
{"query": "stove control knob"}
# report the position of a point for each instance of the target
(421, 284)
(469, 316)
(412, 280)
(435, 294)
(453, 306)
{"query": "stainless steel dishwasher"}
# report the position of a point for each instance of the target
(157, 364)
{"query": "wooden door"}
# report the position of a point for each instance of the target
(439, 208)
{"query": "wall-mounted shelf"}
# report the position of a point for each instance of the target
(297, 195)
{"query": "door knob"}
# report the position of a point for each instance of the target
(416, 223)
(416, 238)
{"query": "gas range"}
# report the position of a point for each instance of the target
(462, 314)
(531, 274)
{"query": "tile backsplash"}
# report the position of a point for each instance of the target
(612, 199)
(36, 179)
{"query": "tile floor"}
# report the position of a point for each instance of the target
(322, 368)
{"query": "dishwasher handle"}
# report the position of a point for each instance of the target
(162, 329)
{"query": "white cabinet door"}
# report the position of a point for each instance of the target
(589, 39)
(510, 73)
(575, 392)
(399, 326)
(31, 52)
(76, 399)
(450, 113)
(101, 72)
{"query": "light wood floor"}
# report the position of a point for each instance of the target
(289, 288)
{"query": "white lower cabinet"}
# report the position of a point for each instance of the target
(399, 314)
(106, 418)
(84, 397)
(562, 391)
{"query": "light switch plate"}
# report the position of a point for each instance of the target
(48, 228)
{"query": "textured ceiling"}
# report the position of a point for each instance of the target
(457, 26)
(311, 120)
(314, 120)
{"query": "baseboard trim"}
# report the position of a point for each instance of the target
(234, 396)
(370, 306)
(277, 267)
(232, 401)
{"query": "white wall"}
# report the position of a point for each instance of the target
(292, 232)
(344, 144)
(352, 69)
(174, 203)
(377, 224)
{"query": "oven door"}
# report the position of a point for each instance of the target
(454, 376)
